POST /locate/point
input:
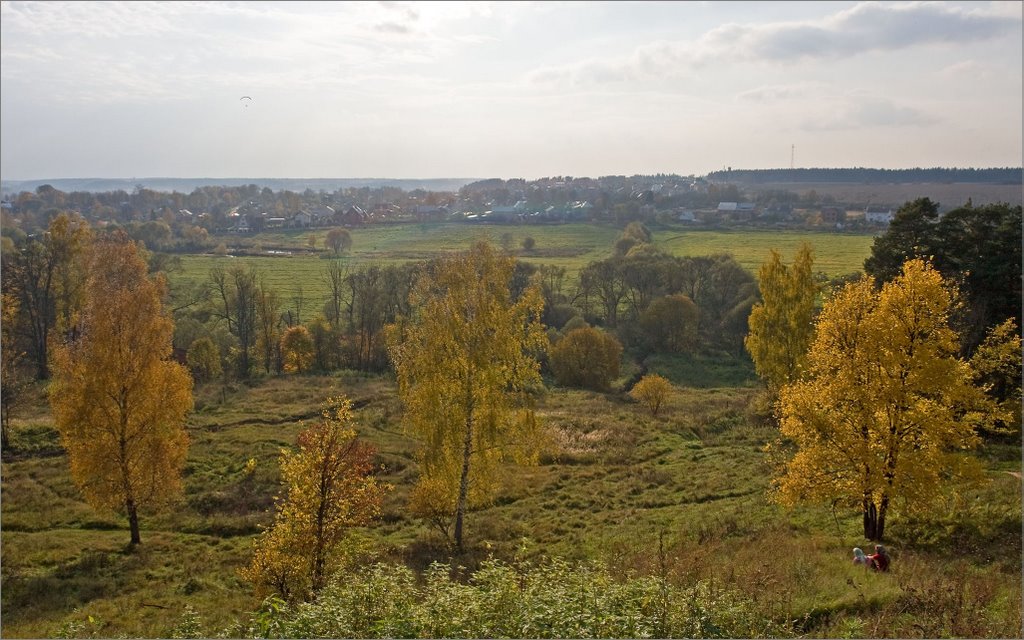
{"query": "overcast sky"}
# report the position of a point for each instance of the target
(423, 90)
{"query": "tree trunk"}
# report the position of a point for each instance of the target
(870, 519)
(133, 521)
(874, 520)
(460, 509)
(317, 578)
(467, 449)
(5, 416)
(880, 525)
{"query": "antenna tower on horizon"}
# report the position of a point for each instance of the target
(792, 154)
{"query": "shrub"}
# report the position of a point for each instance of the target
(587, 358)
(548, 599)
(652, 391)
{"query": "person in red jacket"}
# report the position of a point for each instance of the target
(879, 560)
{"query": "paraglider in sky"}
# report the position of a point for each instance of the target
(245, 101)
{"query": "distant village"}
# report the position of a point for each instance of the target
(248, 209)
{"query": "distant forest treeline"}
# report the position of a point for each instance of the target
(1007, 175)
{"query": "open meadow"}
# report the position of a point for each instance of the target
(683, 494)
(285, 258)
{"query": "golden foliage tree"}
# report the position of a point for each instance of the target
(652, 390)
(997, 366)
(297, 348)
(329, 491)
(203, 359)
(781, 326)
(466, 365)
(887, 405)
(587, 358)
(118, 400)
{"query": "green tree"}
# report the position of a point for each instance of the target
(911, 234)
(886, 410)
(670, 323)
(646, 274)
(723, 291)
(467, 368)
(586, 358)
(605, 281)
(118, 400)
(977, 247)
(781, 326)
(980, 248)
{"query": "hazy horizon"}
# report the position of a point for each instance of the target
(115, 90)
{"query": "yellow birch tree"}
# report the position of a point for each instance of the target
(781, 325)
(887, 405)
(329, 491)
(466, 366)
(118, 400)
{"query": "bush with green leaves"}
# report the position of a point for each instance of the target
(547, 599)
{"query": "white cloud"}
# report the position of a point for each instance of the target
(147, 52)
(863, 28)
(965, 70)
(783, 92)
(861, 113)
(397, 88)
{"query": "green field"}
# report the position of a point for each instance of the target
(571, 246)
(612, 484)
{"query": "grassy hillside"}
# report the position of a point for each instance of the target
(571, 246)
(611, 483)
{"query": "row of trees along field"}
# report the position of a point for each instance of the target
(876, 391)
